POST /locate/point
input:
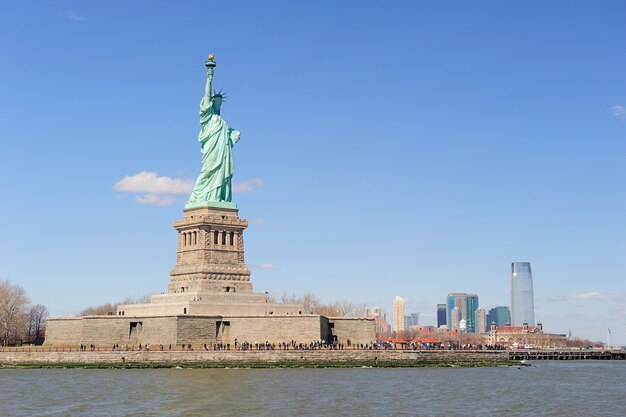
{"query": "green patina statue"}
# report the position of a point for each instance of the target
(213, 186)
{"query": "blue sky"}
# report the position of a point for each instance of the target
(411, 148)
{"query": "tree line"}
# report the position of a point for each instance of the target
(313, 305)
(109, 308)
(20, 321)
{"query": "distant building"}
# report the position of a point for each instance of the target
(462, 326)
(427, 329)
(455, 319)
(500, 315)
(522, 297)
(459, 301)
(467, 305)
(480, 321)
(379, 312)
(412, 320)
(441, 315)
(472, 306)
(398, 314)
(525, 335)
(380, 320)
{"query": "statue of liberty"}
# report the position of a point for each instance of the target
(213, 186)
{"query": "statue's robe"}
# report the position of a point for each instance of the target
(217, 139)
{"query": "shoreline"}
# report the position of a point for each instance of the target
(321, 358)
(254, 359)
(261, 365)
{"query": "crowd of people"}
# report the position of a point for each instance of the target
(439, 346)
(295, 345)
(83, 348)
(245, 346)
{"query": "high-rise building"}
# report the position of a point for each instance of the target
(480, 321)
(398, 314)
(472, 306)
(379, 312)
(500, 315)
(455, 300)
(441, 315)
(411, 320)
(467, 305)
(522, 298)
(455, 319)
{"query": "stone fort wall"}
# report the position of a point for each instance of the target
(357, 330)
(104, 331)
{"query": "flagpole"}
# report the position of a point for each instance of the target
(608, 338)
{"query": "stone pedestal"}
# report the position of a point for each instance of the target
(209, 300)
(210, 254)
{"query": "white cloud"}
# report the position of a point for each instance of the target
(160, 200)
(259, 221)
(265, 266)
(587, 296)
(619, 111)
(72, 15)
(154, 189)
(247, 186)
(150, 182)
(596, 295)
(161, 190)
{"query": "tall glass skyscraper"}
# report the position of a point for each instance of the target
(411, 320)
(441, 315)
(472, 306)
(522, 298)
(500, 315)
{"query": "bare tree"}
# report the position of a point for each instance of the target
(37, 317)
(101, 310)
(578, 342)
(310, 302)
(359, 310)
(290, 298)
(343, 308)
(313, 305)
(139, 300)
(13, 302)
(328, 310)
(109, 308)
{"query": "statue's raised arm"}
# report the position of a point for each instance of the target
(210, 69)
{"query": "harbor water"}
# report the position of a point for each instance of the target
(586, 388)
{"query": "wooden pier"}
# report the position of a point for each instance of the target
(566, 355)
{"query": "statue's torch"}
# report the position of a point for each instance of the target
(210, 62)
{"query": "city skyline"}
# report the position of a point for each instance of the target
(467, 304)
(492, 134)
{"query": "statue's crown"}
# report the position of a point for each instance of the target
(221, 94)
